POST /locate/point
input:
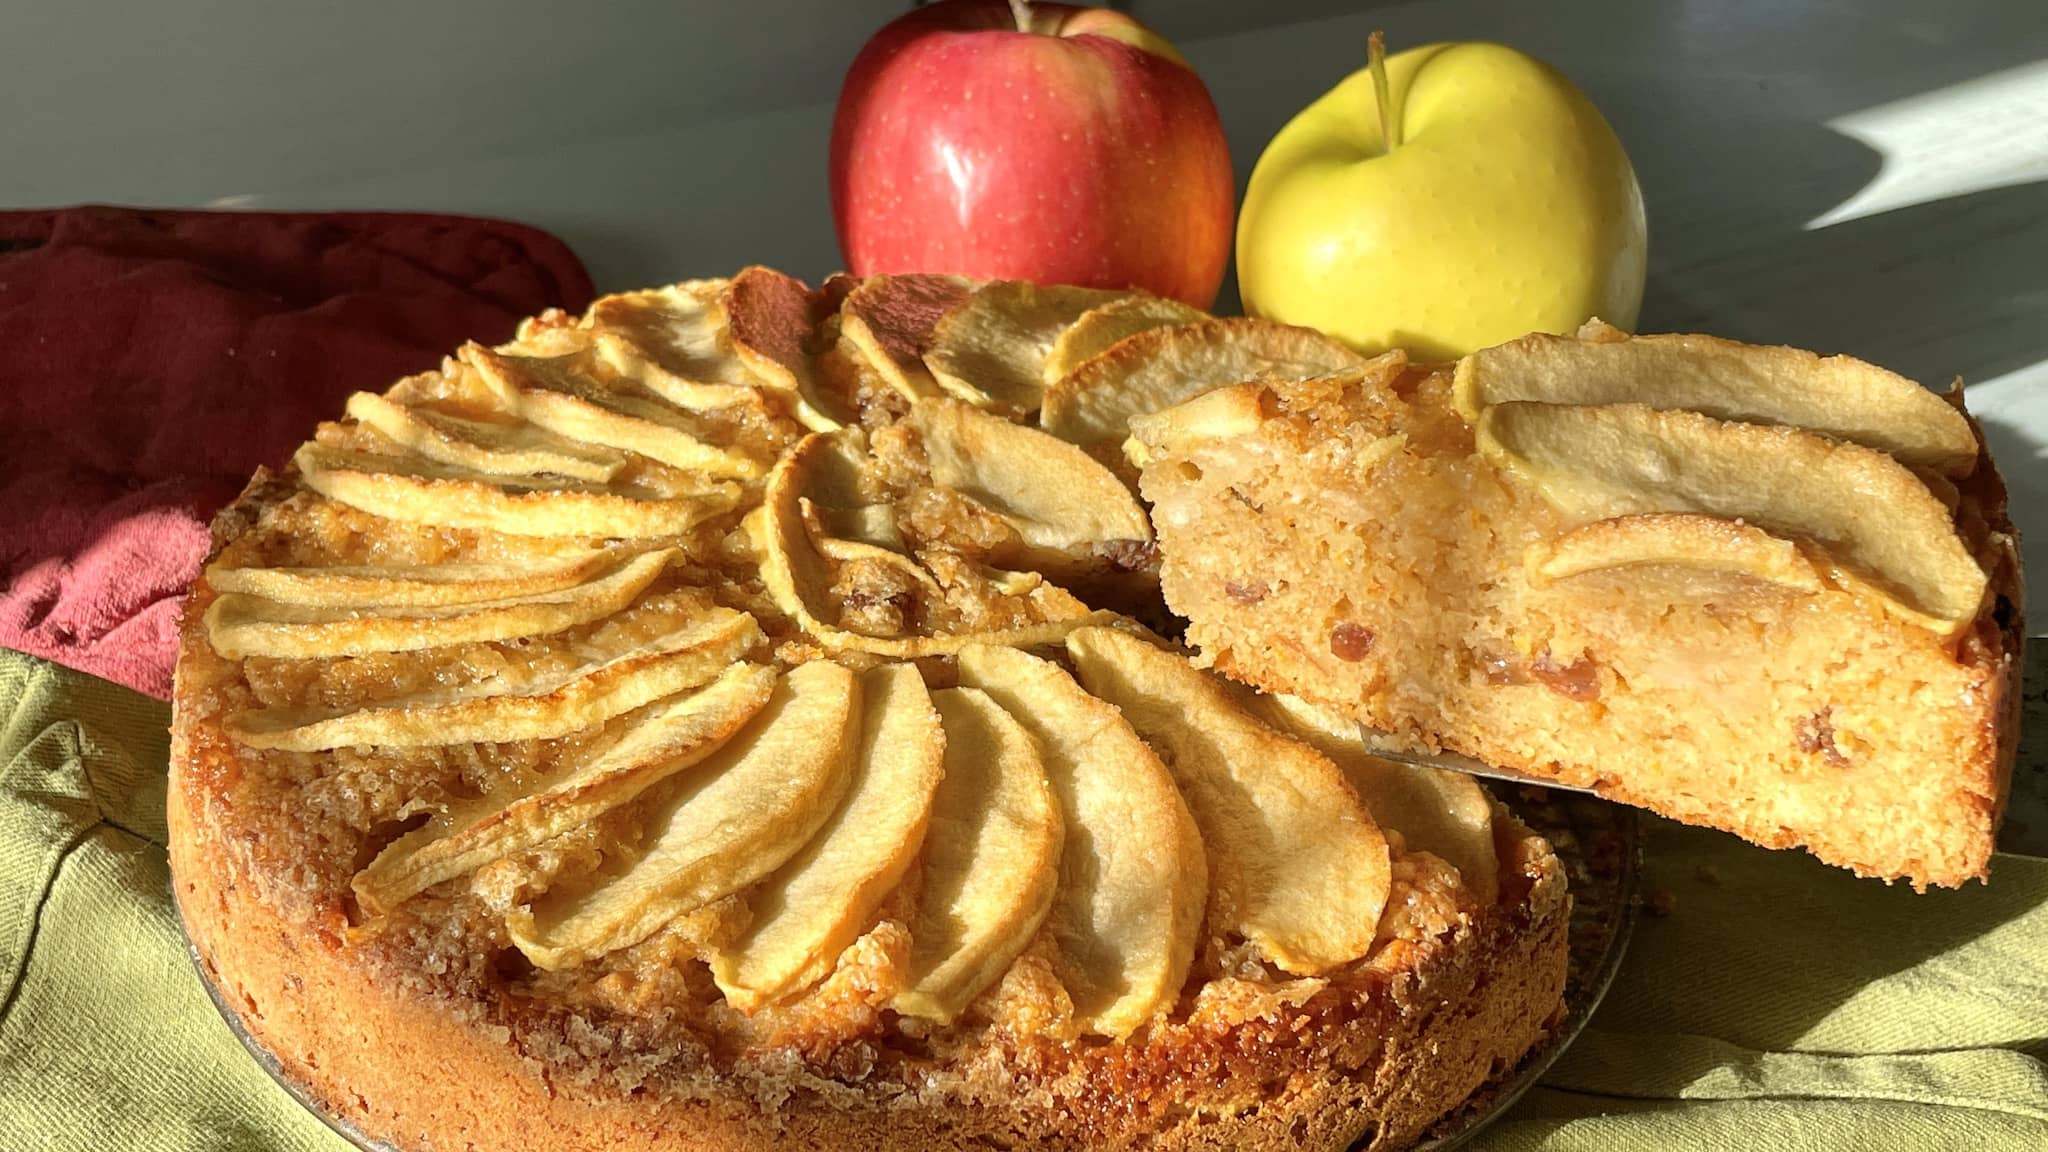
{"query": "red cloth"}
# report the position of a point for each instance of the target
(149, 361)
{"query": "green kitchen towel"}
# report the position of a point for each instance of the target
(1778, 1003)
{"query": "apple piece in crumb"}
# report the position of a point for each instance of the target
(1297, 864)
(1837, 396)
(1157, 369)
(1133, 877)
(1681, 539)
(991, 858)
(731, 820)
(1877, 521)
(991, 350)
(818, 903)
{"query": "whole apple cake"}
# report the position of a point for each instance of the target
(723, 720)
(1745, 587)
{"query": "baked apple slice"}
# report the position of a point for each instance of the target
(1133, 877)
(1105, 324)
(415, 585)
(732, 820)
(605, 685)
(675, 342)
(422, 492)
(1068, 510)
(242, 625)
(1157, 369)
(991, 349)
(665, 739)
(1443, 813)
(771, 320)
(889, 321)
(1297, 865)
(560, 394)
(1836, 396)
(991, 858)
(494, 448)
(815, 905)
(1879, 522)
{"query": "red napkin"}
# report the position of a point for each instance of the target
(149, 361)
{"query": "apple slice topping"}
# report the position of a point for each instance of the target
(675, 343)
(1214, 417)
(991, 350)
(815, 905)
(1063, 504)
(1157, 369)
(734, 819)
(1836, 396)
(1297, 865)
(498, 449)
(1681, 539)
(415, 586)
(1870, 514)
(561, 394)
(1443, 813)
(801, 574)
(1133, 877)
(991, 858)
(772, 317)
(889, 321)
(1106, 324)
(421, 492)
(606, 684)
(667, 737)
(242, 625)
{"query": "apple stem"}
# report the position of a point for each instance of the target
(1020, 11)
(1376, 60)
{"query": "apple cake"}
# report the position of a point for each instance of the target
(1745, 587)
(719, 721)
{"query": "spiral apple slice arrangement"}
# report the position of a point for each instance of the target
(645, 545)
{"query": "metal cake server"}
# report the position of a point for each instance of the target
(1382, 745)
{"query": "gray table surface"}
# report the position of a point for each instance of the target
(1864, 176)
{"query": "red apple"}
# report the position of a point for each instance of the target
(1038, 142)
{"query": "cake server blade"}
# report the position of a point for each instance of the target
(1383, 746)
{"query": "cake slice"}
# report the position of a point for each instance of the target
(1744, 587)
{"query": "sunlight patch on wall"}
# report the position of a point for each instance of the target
(1990, 132)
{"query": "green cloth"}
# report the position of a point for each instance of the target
(1779, 1004)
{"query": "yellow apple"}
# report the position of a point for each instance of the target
(1504, 205)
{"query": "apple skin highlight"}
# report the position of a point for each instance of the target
(1081, 152)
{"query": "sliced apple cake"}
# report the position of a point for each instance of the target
(1745, 587)
(714, 722)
